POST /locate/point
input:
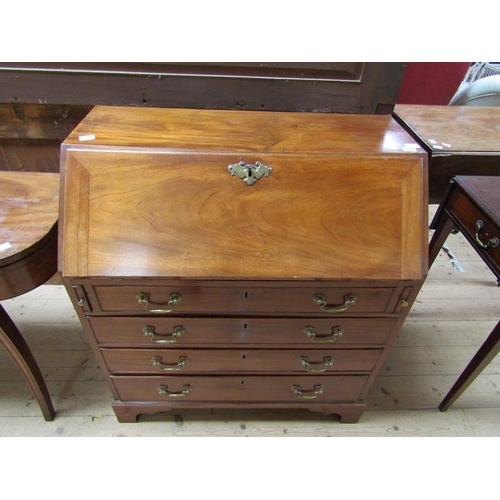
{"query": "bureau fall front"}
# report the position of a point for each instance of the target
(239, 259)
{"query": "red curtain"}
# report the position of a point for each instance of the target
(431, 83)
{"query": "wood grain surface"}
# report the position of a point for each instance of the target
(29, 208)
(228, 332)
(247, 131)
(340, 87)
(175, 215)
(224, 361)
(337, 388)
(460, 128)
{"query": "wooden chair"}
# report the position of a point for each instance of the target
(29, 210)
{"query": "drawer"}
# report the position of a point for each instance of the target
(478, 227)
(240, 360)
(320, 388)
(172, 332)
(325, 300)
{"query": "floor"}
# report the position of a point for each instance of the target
(455, 311)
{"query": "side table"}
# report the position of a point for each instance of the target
(471, 205)
(29, 208)
(460, 140)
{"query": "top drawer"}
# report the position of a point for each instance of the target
(178, 300)
(479, 228)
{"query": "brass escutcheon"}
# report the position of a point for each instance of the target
(249, 173)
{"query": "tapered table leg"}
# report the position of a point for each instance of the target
(444, 227)
(16, 347)
(482, 358)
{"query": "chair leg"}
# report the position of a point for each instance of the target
(16, 347)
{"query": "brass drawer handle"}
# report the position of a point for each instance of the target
(327, 361)
(174, 299)
(163, 390)
(317, 390)
(493, 242)
(149, 331)
(337, 332)
(349, 300)
(157, 362)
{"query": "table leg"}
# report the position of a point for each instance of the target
(482, 358)
(16, 347)
(443, 229)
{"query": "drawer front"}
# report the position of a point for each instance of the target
(479, 227)
(173, 332)
(324, 300)
(240, 360)
(308, 388)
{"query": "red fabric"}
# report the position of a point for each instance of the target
(431, 83)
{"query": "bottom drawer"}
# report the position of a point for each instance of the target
(327, 389)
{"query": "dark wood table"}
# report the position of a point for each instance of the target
(471, 205)
(29, 211)
(460, 140)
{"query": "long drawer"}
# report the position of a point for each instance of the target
(320, 299)
(168, 332)
(321, 388)
(240, 360)
(479, 227)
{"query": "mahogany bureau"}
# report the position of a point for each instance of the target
(229, 259)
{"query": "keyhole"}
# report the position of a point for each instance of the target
(245, 326)
(246, 295)
(244, 356)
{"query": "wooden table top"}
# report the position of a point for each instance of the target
(485, 191)
(248, 131)
(453, 129)
(29, 208)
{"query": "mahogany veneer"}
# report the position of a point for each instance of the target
(471, 206)
(202, 283)
(460, 140)
(29, 204)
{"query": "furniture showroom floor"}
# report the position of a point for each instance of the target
(452, 316)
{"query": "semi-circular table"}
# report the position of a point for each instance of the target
(29, 209)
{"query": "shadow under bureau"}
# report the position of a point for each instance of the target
(229, 259)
